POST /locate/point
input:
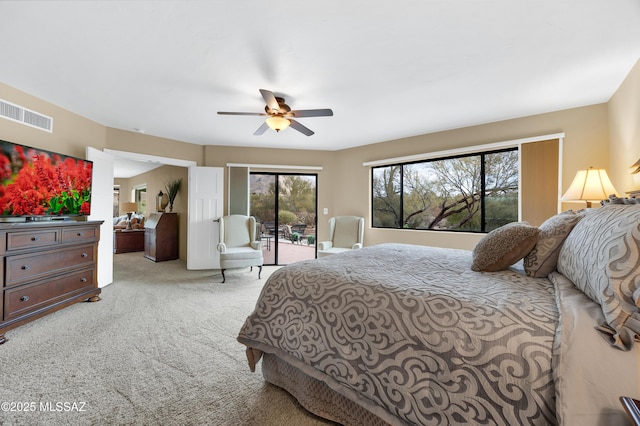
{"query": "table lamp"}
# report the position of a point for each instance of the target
(129, 209)
(590, 185)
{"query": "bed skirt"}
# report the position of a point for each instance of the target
(315, 396)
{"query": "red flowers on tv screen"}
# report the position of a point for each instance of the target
(34, 182)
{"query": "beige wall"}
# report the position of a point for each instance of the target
(220, 156)
(624, 131)
(343, 184)
(585, 144)
(122, 140)
(71, 132)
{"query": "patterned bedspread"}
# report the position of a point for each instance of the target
(413, 330)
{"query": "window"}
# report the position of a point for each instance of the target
(139, 195)
(477, 193)
(116, 200)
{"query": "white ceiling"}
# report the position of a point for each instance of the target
(387, 69)
(126, 168)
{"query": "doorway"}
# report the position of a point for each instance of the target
(285, 207)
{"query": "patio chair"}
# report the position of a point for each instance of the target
(288, 234)
(345, 233)
(299, 228)
(239, 245)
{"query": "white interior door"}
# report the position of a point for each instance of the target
(206, 192)
(102, 209)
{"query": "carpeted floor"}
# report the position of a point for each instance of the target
(159, 348)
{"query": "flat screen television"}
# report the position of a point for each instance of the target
(37, 184)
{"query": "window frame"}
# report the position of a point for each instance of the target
(481, 153)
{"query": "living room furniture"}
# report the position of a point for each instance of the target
(239, 245)
(345, 233)
(268, 239)
(47, 266)
(128, 240)
(161, 237)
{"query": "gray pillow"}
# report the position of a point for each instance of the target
(601, 256)
(504, 246)
(542, 260)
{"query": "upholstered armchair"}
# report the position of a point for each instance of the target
(239, 245)
(345, 233)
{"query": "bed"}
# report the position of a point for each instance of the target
(537, 325)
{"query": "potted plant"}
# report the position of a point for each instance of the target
(172, 189)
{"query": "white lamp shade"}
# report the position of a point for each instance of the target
(590, 185)
(277, 123)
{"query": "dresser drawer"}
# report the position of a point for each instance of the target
(78, 235)
(24, 267)
(32, 239)
(21, 300)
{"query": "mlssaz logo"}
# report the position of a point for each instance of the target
(63, 406)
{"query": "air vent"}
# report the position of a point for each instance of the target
(23, 115)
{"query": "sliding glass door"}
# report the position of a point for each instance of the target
(285, 206)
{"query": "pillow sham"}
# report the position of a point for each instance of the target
(601, 256)
(543, 258)
(504, 246)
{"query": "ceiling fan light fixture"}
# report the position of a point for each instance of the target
(279, 114)
(277, 123)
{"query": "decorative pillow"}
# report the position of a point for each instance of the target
(616, 200)
(601, 256)
(504, 246)
(542, 260)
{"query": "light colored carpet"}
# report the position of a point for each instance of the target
(159, 348)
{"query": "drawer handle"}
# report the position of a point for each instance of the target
(25, 267)
(84, 255)
(80, 234)
(24, 299)
(35, 238)
(83, 280)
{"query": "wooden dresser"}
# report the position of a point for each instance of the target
(46, 266)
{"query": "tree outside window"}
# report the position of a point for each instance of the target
(475, 193)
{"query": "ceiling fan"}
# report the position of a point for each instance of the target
(281, 115)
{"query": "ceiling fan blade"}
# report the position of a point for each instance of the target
(299, 127)
(241, 113)
(270, 99)
(261, 129)
(310, 113)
